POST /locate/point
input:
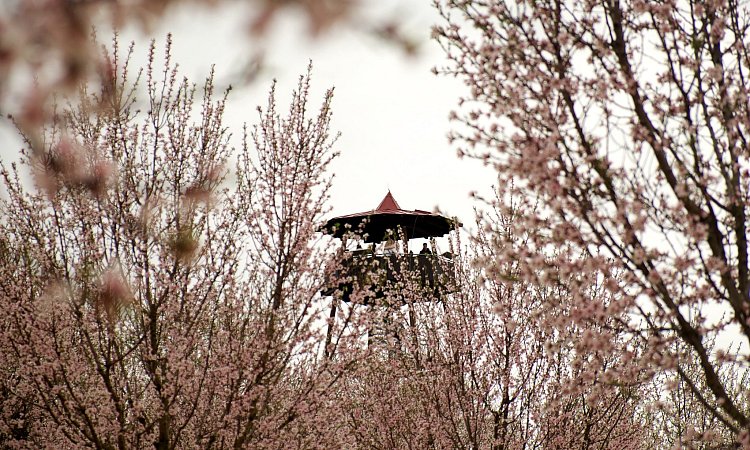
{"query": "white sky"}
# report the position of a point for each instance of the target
(390, 109)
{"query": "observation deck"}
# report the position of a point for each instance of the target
(426, 277)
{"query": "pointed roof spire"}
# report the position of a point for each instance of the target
(388, 204)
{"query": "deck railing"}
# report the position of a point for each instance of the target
(381, 274)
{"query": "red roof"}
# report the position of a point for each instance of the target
(388, 204)
(389, 216)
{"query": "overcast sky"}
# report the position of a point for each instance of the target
(390, 109)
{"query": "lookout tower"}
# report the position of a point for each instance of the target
(382, 262)
(382, 271)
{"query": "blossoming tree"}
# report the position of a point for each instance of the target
(149, 295)
(478, 369)
(46, 47)
(627, 122)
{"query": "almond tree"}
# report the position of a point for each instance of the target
(150, 298)
(627, 122)
(676, 415)
(51, 39)
(46, 49)
(479, 370)
(552, 352)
